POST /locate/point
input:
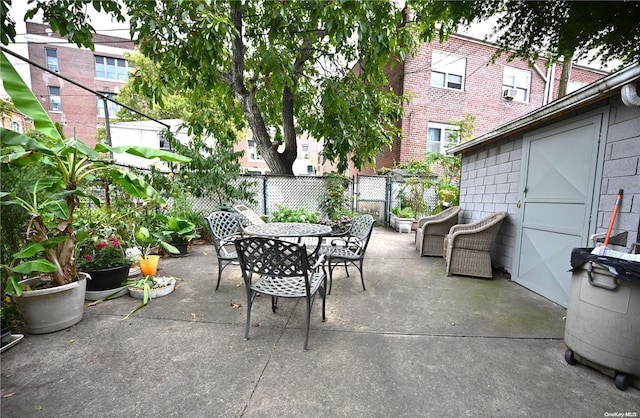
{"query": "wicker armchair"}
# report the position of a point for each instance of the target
(467, 247)
(432, 229)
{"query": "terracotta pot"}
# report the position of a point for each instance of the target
(149, 265)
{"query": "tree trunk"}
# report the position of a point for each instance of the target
(278, 163)
(564, 77)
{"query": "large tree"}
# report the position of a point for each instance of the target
(288, 64)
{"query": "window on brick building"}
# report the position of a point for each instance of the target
(55, 100)
(111, 68)
(518, 80)
(440, 137)
(52, 59)
(252, 151)
(15, 126)
(111, 107)
(447, 70)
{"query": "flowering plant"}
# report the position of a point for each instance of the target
(102, 254)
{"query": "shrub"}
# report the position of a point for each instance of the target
(284, 214)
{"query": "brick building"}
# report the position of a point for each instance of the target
(104, 70)
(445, 81)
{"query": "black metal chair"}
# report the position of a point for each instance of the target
(225, 228)
(282, 270)
(350, 247)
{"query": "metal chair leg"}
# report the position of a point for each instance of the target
(220, 268)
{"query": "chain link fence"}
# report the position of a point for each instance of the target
(375, 195)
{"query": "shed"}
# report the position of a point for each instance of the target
(557, 171)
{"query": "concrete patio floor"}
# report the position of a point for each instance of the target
(416, 343)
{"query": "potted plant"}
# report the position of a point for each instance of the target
(404, 218)
(107, 265)
(54, 299)
(177, 232)
(147, 244)
(149, 287)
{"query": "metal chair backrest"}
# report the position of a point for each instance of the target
(222, 225)
(360, 232)
(272, 257)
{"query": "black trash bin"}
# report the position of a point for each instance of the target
(603, 316)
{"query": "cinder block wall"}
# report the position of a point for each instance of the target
(621, 170)
(489, 183)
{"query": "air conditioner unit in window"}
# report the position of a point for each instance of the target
(509, 94)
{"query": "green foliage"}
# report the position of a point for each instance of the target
(99, 253)
(6, 107)
(418, 168)
(284, 214)
(416, 195)
(175, 105)
(356, 126)
(175, 230)
(466, 126)
(335, 201)
(72, 166)
(403, 212)
(268, 62)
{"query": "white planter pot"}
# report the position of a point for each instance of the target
(392, 220)
(404, 225)
(169, 286)
(52, 309)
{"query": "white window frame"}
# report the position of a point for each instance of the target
(521, 82)
(52, 60)
(448, 70)
(163, 143)
(252, 151)
(15, 126)
(118, 72)
(444, 142)
(113, 108)
(55, 105)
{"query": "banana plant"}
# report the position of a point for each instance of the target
(54, 198)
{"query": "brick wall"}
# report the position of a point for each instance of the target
(79, 115)
(481, 95)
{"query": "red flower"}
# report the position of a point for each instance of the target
(88, 257)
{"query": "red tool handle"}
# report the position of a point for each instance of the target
(613, 217)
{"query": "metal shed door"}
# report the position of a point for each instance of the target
(559, 165)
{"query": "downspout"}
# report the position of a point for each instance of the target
(551, 83)
(629, 94)
(545, 77)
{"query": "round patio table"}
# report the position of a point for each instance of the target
(288, 230)
(298, 230)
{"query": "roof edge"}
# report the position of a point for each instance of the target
(585, 95)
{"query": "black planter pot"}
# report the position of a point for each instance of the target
(106, 279)
(182, 247)
(6, 334)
